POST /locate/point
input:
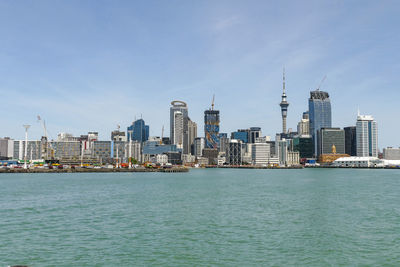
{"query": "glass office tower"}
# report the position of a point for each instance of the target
(320, 115)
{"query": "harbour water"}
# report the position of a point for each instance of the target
(207, 217)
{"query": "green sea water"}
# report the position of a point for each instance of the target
(207, 217)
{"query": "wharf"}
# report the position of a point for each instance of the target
(92, 170)
(254, 167)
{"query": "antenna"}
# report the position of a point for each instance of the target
(118, 127)
(284, 80)
(212, 103)
(319, 86)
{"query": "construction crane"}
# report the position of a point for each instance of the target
(43, 123)
(212, 103)
(162, 135)
(319, 86)
(45, 147)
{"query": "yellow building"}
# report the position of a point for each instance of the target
(331, 157)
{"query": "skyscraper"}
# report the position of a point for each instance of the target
(284, 105)
(211, 127)
(350, 140)
(319, 110)
(178, 128)
(178, 122)
(367, 136)
(192, 134)
(138, 131)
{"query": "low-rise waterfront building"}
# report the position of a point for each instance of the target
(391, 153)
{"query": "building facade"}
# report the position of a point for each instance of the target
(350, 140)
(234, 153)
(138, 131)
(391, 153)
(329, 137)
(211, 128)
(6, 148)
(367, 136)
(260, 153)
(199, 145)
(320, 115)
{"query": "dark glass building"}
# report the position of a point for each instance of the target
(329, 137)
(138, 131)
(304, 145)
(319, 109)
(350, 140)
(241, 135)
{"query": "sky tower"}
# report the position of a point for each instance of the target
(284, 105)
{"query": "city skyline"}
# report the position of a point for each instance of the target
(106, 66)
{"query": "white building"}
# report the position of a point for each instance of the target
(161, 159)
(391, 153)
(286, 157)
(192, 135)
(6, 147)
(359, 162)
(367, 136)
(199, 144)
(260, 153)
(303, 127)
(221, 158)
(179, 123)
(293, 158)
(178, 129)
(187, 158)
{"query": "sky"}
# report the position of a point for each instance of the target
(92, 65)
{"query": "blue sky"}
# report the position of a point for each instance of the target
(90, 65)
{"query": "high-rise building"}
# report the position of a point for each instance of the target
(223, 142)
(191, 135)
(367, 136)
(211, 128)
(178, 122)
(260, 153)
(284, 105)
(138, 131)
(319, 109)
(234, 155)
(178, 129)
(199, 145)
(254, 133)
(303, 127)
(350, 141)
(6, 148)
(329, 138)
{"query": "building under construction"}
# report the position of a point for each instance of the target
(211, 127)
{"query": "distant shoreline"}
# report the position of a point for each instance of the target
(94, 170)
(179, 169)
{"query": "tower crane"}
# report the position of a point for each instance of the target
(45, 147)
(162, 135)
(319, 86)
